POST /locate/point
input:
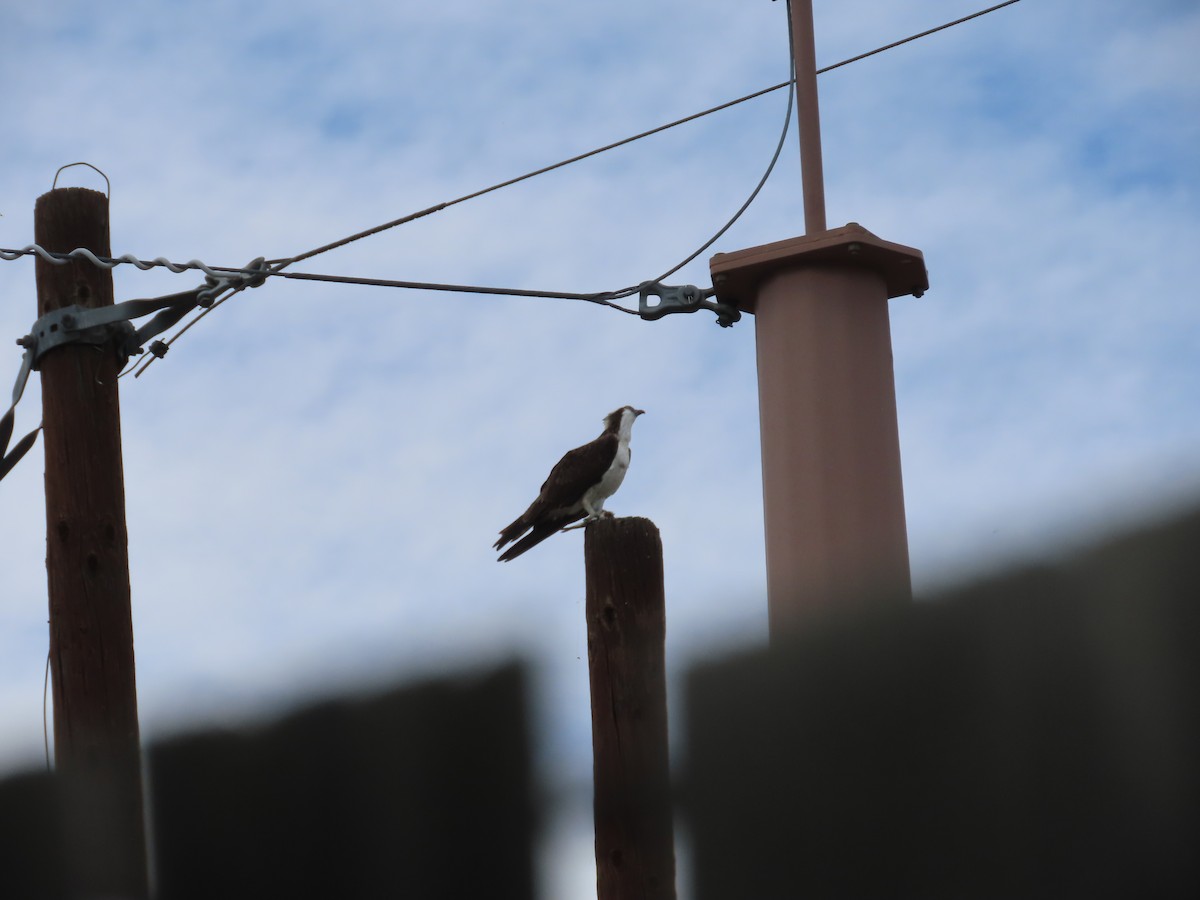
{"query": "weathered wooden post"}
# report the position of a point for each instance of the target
(96, 735)
(626, 629)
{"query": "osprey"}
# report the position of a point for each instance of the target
(576, 487)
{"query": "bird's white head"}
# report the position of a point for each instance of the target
(621, 420)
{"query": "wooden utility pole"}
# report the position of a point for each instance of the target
(626, 629)
(96, 736)
(833, 496)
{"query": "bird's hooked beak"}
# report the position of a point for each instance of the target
(638, 412)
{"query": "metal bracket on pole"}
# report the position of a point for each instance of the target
(682, 299)
(80, 325)
(111, 325)
(72, 325)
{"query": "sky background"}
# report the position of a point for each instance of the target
(316, 473)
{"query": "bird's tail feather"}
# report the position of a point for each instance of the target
(511, 533)
(538, 534)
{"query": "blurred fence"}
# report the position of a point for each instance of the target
(1034, 736)
(1037, 735)
(420, 792)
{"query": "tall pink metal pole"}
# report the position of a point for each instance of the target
(833, 497)
(808, 115)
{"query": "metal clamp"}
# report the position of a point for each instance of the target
(218, 284)
(682, 299)
(72, 325)
(111, 325)
(81, 325)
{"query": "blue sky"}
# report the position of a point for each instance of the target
(316, 473)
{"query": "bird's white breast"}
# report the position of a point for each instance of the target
(616, 473)
(611, 480)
